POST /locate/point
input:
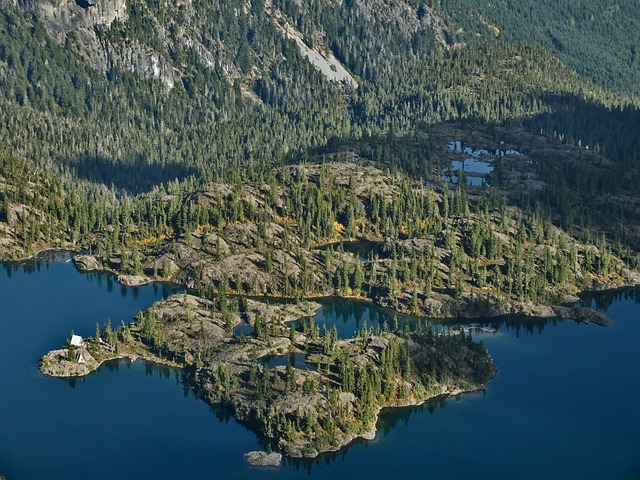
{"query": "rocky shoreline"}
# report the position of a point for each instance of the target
(439, 306)
(304, 411)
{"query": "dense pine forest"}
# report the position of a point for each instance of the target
(594, 37)
(118, 119)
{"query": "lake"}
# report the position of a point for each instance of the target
(563, 405)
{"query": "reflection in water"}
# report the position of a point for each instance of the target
(533, 366)
(243, 330)
(350, 317)
(389, 418)
(603, 300)
(34, 265)
(296, 360)
(528, 325)
(308, 465)
(471, 165)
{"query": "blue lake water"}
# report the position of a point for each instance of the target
(461, 147)
(478, 165)
(563, 405)
(296, 359)
(471, 181)
(350, 316)
(471, 165)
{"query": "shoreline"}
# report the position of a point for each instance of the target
(69, 369)
(278, 402)
(527, 309)
(345, 441)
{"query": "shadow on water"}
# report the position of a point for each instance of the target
(296, 360)
(350, 317)
(602, 300)
(34, 265)
(45, 259)
(182, 378)
(388, 420)
(85, 4)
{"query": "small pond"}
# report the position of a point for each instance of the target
(295, 359)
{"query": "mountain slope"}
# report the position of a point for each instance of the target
(598, 38)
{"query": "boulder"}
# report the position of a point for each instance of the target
(263, 459)
(86, 263)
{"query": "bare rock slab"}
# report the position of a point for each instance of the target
(86, 263)
(263, 459)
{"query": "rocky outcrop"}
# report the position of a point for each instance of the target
(133, 280)
(64, 364)
(583, 314)
(82, 18)
(86, 263)
(263, 459)
(469, 307)
(64, 16)
(307, 411)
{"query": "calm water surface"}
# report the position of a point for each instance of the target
(563, 405)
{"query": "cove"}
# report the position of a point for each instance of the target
(563, 404)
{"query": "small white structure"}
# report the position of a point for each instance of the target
(76, 340)
(79, 358)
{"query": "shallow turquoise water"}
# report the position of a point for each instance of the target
(563, 405)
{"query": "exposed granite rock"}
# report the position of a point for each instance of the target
(133, 280)
(263, 459)
(58, 363)
(86, 263)
(304, 410)
(583, 314)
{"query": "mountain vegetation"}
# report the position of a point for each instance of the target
(217, 144)
(594, 37)
(303, 411)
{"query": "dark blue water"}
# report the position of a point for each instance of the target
(563, 405)
(351, 316)
(296, 360)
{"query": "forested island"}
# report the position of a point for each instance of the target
(439, 252)
(441, 159)
(318, 408)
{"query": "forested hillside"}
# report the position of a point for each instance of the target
(598, 38)
(102, 103)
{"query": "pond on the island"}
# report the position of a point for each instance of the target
(350, 317)
(471, 181)
(563, 405)
(295, 359)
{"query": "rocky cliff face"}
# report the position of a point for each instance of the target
(64, 16)
(83, 18)
(157, 40)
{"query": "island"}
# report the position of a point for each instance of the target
(329, 398)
